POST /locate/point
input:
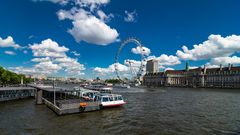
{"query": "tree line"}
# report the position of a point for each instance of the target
(11, 78)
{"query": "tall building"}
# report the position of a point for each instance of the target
(152, 66)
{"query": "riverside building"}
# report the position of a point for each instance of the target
(222, 77)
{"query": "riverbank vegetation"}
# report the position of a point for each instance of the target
(10, 78)
(113, 81)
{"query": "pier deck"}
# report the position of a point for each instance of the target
(66, 101)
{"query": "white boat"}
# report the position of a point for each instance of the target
(100, 88)
(104, 99)
(122, 86)
(110, 100)
(85, 93)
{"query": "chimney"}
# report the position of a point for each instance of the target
(220, 67)
(229, 66)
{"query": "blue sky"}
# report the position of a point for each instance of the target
(163, 26)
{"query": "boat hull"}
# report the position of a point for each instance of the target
(113, 105)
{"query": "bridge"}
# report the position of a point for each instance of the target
(61, 101)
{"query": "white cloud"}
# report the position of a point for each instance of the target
(225, 60)
(51, 58)
(215, 46)
(86, 26)
(134, 66)
(23, 70)
(70, 65)
(8, 42)
(104, 17)
(41, 59)
(193, 67)
(91, 4)
(209, 65)
(130, 16)
(9, 52)
(48, 48)
(93, 30)
(111, 69)
(166, 60)
(47, 67)
(75, 53)
(168, 69)
(141, 50)
(62, 2)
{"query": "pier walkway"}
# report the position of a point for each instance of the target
(11, 93)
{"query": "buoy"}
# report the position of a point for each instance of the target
(83, 104)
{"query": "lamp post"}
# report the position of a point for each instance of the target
(54, 92)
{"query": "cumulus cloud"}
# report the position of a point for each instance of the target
(48, 48)
(86, 26)
(70, 65)
(46, 59)
(23, 70)
(141, 50)
(225, 60)
(215, 46)
(8, 42)
(51, 58)
(92, 30)
(9, 52)
(111, 69)
(47, 67)
(166, 60)
(130, 16)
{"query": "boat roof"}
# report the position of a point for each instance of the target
(87, 90)
(108, 95)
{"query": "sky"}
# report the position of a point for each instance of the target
(80, 38)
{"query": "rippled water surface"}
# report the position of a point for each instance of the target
(168, 111)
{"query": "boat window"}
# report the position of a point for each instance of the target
(111, 98)
(115, 98)
(120, 98)
(105, 99)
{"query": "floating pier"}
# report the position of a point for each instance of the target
(63, 101)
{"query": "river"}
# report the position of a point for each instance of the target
(167, 111)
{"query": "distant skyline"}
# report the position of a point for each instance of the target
(80, 38)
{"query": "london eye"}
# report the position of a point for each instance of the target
(136, 71)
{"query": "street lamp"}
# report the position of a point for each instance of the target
(54, 92)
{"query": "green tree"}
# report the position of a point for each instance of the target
(9, 78)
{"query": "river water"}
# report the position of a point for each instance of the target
(167, 111)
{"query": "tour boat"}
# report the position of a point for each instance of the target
(104, 99)
(110, 100)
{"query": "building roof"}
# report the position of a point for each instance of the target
(174, 71)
